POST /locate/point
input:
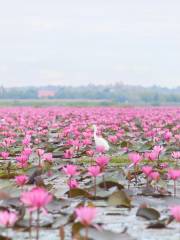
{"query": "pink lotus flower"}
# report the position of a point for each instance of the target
(76, 144)
(7, 219)
(94, 171)
(5, 155)
(35, 199)
(154, 176)
(27, 152)
(26, 141)
(147, 170)
(37, 141)
(8, 142)
(100, 149)
(176, 155)
(102, 161)
(135, 158)
(175, 212)
(22, 161)
(21, 180)
(158, 149)
(70, 170)
(72, 183)
(86, 142)
(174, 174)
(152, 156)
(164, 165)
(85, 215)
(167, 136)
(90, 153)
(48, 157)
(69, 154)
(113, 139)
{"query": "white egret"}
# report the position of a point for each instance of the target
(100, 141)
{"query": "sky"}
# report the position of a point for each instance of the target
(77, 42)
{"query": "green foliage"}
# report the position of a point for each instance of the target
(91, 95)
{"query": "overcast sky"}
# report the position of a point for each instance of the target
(76, 42)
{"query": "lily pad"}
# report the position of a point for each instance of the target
(110, 184)
(78, 192)
(148, 213)
(119, 198)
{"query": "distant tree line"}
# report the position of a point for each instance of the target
(118, 93)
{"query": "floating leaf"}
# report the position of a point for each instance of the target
(160, 223)
(148, 213)
(78, 192)
(58, 154)
(147, 191)
(56, 206)
(119, 198)
(110, 184)
(157, 224)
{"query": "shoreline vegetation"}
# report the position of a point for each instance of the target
(74, 103)
(90, 95)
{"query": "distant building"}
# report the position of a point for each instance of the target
(46, 93)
